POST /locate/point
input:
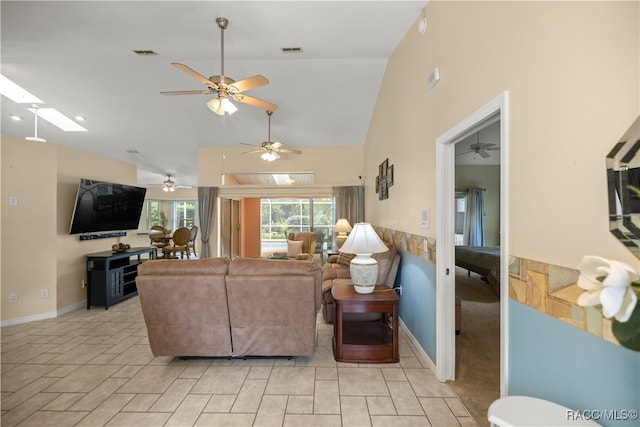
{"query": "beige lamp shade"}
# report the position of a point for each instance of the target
(363, 241)
(342, 226)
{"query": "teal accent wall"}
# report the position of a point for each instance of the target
(552, 360)
(418, 301)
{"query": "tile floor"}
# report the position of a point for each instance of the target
(95, 368)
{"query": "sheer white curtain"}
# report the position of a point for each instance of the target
(474, 221)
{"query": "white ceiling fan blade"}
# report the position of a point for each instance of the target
(248, 83)
(195, 74)
(259, 150)
(255, 102)
(288, 150)
(187, 92)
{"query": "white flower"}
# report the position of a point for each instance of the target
(608, 282)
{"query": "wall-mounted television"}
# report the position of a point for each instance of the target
(105, 206)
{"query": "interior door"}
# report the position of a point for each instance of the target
(230, 228)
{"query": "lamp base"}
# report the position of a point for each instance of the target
(364, 273)
(340, 239)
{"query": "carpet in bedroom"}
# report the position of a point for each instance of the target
(478, 346)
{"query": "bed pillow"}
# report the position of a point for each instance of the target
(294, 248)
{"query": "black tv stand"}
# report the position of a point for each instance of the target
(111, 276)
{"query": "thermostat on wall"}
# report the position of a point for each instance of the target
(425, 217)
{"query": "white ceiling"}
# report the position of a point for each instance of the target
(77, 56)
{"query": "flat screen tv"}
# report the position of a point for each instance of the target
(105, 206)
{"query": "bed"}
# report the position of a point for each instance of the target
(484, 260)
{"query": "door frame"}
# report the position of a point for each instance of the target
(445, 253)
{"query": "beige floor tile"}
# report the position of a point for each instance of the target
(106, 410)
(248, 400)
(61, 371)
(139, 419)
(26, 393)
(393, 374)
(96, 396)
(404, 399)
(292, 380)
(142, 402)
(327, 373)
(222, 380)
(83, 379)
(80, 354)
(362, 382)
(22, 375)
(300, 405)
(271, 411)
(399, 421)
(220, 403)
(467, 421)
(175, 394)
(188, 411)
(53, 418)
(425, 384)
(152, 379)
(63, 402)
(134, 355)
(381, 405)
(225, 420)
(194, 371)
(354, 411)
(259, 373)
(326, 398)
(438, 412)
(27, 409)
(294, 420)
(457, 407)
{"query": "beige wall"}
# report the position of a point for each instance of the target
(38, 252)
(29, 240)
(572, 72)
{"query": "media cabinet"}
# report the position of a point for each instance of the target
(111, 276)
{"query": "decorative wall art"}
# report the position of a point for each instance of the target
(384, 180)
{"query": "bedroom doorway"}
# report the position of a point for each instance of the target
(493, 113)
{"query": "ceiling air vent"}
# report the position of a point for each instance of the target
(291, 49)
(144, 52)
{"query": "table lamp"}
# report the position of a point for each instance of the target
(363, 241)
(342, 227)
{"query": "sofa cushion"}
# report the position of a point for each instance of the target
(294, 247)
(345, 258)
(204, 266)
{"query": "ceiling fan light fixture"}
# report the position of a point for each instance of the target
(221, 106)
(269, 156)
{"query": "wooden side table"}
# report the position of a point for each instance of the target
(365, 342)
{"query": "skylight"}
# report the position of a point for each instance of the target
(58, 119)
(16, 93)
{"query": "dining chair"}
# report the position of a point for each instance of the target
(157, 238)
(191, 246)
(180, 241)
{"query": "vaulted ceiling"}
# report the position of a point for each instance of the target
(78, 57)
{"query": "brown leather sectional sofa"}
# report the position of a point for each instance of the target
(222, 307)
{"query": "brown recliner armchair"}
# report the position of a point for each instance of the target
(336, 270)
(308, 239)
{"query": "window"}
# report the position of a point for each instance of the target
(172, 214)
(282, 216)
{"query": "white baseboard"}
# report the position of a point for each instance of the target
(420, 353)
(42, 316)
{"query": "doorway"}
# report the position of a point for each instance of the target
(495, 110)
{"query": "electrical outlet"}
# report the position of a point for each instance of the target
(13, 298)
(44, 293)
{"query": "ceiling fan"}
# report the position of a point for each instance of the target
(223, 86)
(480, 148)
(271, 150)
(169, 185)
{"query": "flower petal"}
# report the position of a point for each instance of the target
(630, 302)
(611, 299)
(587, 299)
(592, 265)
(623, 271)
(589, 283)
